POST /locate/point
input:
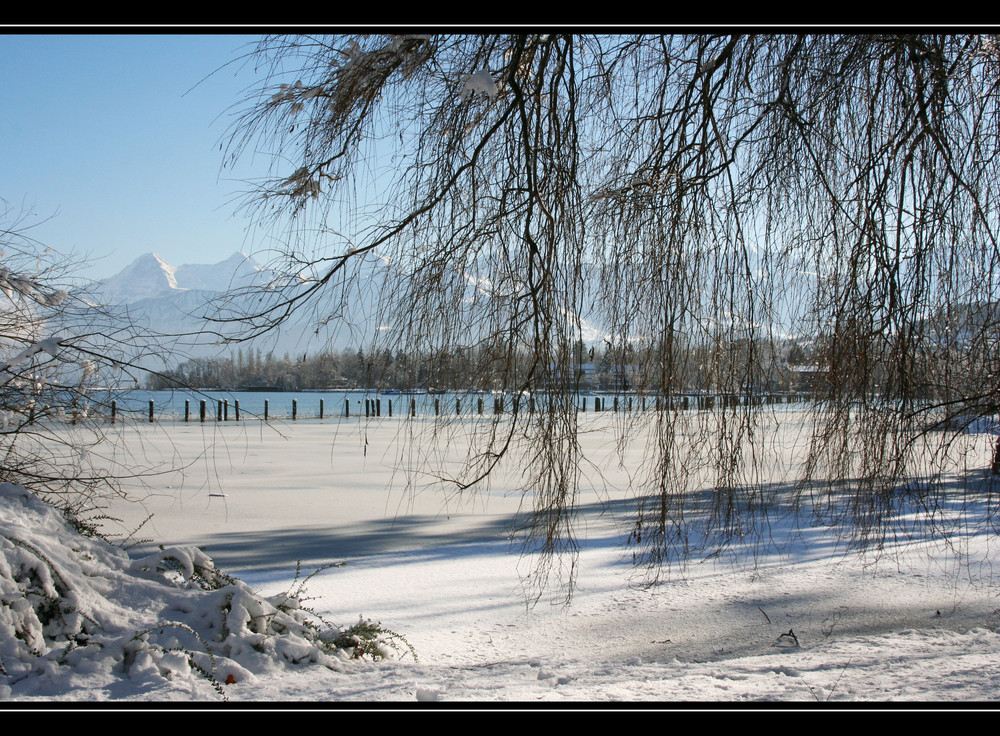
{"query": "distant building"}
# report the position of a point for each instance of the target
(625, 376)
(808, 378)
(582, 375)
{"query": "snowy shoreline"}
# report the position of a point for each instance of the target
(800, 620)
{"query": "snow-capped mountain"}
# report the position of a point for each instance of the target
(150, 276)
(174, 302)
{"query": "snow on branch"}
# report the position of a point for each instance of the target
(49, 345)
(481, 81)
(11, 283)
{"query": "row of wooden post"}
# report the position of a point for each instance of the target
(373, 407)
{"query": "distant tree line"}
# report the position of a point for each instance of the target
(602, 368)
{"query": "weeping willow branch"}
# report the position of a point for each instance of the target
(691, 205)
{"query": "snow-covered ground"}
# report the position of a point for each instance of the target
(797, 619)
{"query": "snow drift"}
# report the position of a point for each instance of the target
(73, 607)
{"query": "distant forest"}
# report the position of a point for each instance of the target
(593, 369)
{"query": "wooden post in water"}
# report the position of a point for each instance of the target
(321, 408)
(458, 406)
(202, 410)
(237, 410)
(367, 408)
(218, 410)
(390, 407)
(378, 407)
(437, 406)
(266, 407)
(225, 411)
(413, 407)
(150, 410)
(295, 409)
(480, 405)
(187, 409)
(347, 407)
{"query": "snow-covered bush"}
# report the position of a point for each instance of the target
(71, 603)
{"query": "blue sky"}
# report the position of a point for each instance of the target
(112, 143)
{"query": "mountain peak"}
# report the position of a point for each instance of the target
(150, 275)
(147, 275)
